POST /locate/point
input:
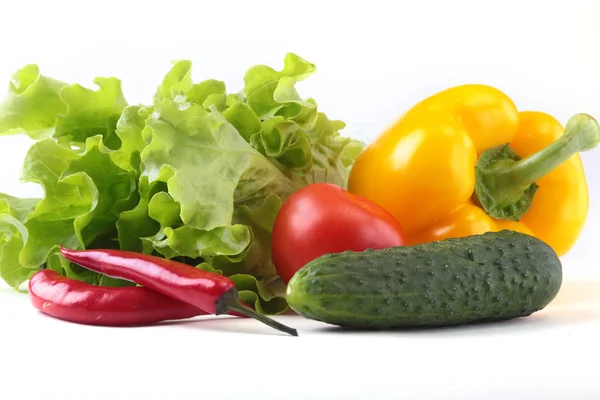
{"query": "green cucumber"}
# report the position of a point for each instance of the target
(489, 277)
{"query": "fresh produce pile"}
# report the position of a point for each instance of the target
(197, 175)
(247, 203)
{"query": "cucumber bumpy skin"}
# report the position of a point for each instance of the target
(489, 277)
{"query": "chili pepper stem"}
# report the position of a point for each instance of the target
(238, 307)
(506, 184)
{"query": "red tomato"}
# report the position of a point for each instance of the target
(323, 218)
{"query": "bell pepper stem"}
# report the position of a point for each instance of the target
(582, 133)
(506, 184)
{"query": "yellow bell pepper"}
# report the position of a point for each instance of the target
(466, 161)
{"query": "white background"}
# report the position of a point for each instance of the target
(374, 60)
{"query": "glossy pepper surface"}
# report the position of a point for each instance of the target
(208, 291)
(75, 301)
(465, 161)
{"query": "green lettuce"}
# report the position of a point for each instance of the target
(197, 175)
(32, 104)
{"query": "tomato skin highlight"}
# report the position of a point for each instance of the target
(323, 218)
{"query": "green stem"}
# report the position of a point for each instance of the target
(506, 184)
(582, 133)
(237, 306)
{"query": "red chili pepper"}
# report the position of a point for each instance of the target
(210, 292)
(75, 301)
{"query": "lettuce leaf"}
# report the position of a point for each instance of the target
(186, 136)
(13, 235)
(84, 195)
(43, 107)
(197, 175)
(268, 91)
(90, 113)
(32, 104)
